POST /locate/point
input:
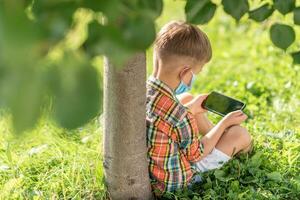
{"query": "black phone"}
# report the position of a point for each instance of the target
(221, 104)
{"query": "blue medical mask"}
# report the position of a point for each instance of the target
(182, 87)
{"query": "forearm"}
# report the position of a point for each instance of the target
(210, 140)
(203, 123)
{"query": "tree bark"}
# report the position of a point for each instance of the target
(125, 152)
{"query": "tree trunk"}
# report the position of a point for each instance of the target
(125, 161)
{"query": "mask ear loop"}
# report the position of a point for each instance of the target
(193, 77)
(180, 74)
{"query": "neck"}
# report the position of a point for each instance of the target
(170, 79)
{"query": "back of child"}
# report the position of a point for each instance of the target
(175, 151)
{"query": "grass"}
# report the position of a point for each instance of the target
(53, 163)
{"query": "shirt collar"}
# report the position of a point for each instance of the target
(161, 86)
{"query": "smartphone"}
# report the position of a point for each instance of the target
(221, 104)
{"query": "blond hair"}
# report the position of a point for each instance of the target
(183, 39)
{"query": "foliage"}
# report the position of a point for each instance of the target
(282, 35)
(261, 13)
(45, 35)
(279, 31)
(200, 12)
(36, 72)
(55, 163)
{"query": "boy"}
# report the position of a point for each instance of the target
(175, 119)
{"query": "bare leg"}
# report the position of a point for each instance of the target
(203, 123)
(234, 140)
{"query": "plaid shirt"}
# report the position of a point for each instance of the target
(172, 139)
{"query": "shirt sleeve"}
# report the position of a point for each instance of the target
(188, 138)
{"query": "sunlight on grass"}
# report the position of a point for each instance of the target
(53, 163)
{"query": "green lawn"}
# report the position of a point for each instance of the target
(53, 163)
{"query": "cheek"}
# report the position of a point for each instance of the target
(198, 71)
(187, 78)
(199, 68)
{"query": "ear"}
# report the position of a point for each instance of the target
(184, 71)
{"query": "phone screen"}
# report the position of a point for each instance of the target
(222, 104)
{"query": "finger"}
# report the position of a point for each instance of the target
(238, 116)
(241, 113)
(237, 112)
(202, 96)
(205, 96)
(242, 117)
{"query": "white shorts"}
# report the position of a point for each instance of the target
(215, 159)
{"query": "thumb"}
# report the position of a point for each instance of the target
(202, 96)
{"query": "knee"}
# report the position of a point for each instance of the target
(241, 135)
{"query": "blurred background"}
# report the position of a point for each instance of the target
(52, 162)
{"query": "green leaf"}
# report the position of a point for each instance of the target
(96, 33)
(235, 185)
(199, 12)
(22, 90)
(108, 40)
(219, 174)
(235, 8)
(19, 38)
(54, 17)
(138, 32)
(296, 57)
(282, 35)
(112, 9)
(26, 100)
(256, 160)
(21, 84)
(120, 42)
(3, 74)
(284, 6)
(151, 9)
(261, 13)
(297, 16)
(77, 92)
(275, 176)
(99, 5)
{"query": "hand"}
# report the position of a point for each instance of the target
(233, 118)
(195, 105)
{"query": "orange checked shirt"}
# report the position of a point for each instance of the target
(172, 139)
